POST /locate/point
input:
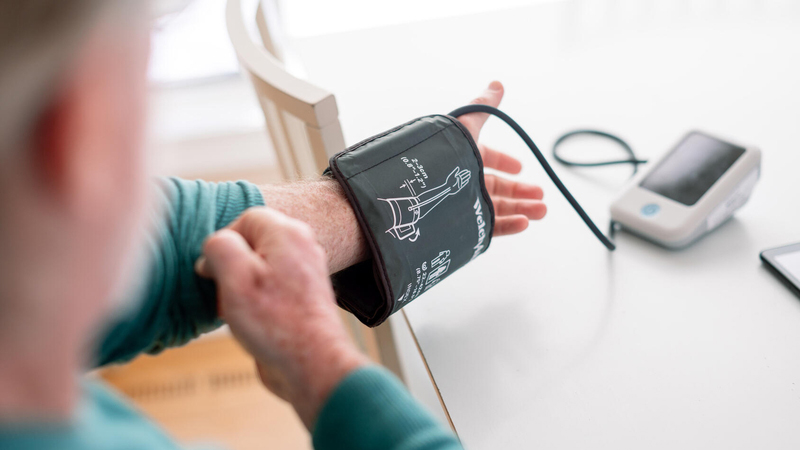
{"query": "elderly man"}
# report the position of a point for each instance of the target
(97, 268)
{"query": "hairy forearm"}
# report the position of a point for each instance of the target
(322, 205)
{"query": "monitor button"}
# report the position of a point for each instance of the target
(650, 210)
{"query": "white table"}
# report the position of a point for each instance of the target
(548, 340)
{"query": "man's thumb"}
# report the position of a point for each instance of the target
(492, 97)
(225, 254)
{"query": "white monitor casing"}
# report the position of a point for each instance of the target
(675, 225)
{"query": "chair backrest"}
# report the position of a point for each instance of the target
(302, 119)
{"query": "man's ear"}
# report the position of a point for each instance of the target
(82, 138)
(62, 147)
(50, 148)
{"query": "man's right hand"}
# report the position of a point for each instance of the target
(279, 304)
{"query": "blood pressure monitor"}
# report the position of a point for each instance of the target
(419, 195)
(693, 189)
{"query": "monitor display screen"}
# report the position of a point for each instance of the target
(692, 168)
(790, 263)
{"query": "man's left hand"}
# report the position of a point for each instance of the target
(515, 203)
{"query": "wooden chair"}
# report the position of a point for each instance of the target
(302, 119)
(303, 123)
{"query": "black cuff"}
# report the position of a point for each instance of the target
(419, 195)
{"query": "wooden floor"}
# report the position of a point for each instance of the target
(208, 392)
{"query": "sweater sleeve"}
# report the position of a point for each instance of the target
(172, 305)
(370, 409)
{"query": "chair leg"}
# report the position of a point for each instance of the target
(378, 343)
(387, 347)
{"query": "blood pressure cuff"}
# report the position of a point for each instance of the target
(419, 196)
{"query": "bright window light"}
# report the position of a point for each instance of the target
(191, 42)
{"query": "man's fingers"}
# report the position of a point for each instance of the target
(501, 187)
(531, 209)
(499, 160)
(510, 225)
(259, 225)
(491, 96)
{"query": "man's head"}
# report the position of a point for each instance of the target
(72, 101)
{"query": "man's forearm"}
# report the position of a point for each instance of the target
(322, 205)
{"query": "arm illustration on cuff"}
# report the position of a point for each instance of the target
(407, 211)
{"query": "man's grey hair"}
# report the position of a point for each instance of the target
(37, 40)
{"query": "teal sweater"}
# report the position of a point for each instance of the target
(370, 409)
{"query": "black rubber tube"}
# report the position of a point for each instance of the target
(632, 160)
(540, 157)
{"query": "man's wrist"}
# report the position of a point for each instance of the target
(323, 205)
(321, 375)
